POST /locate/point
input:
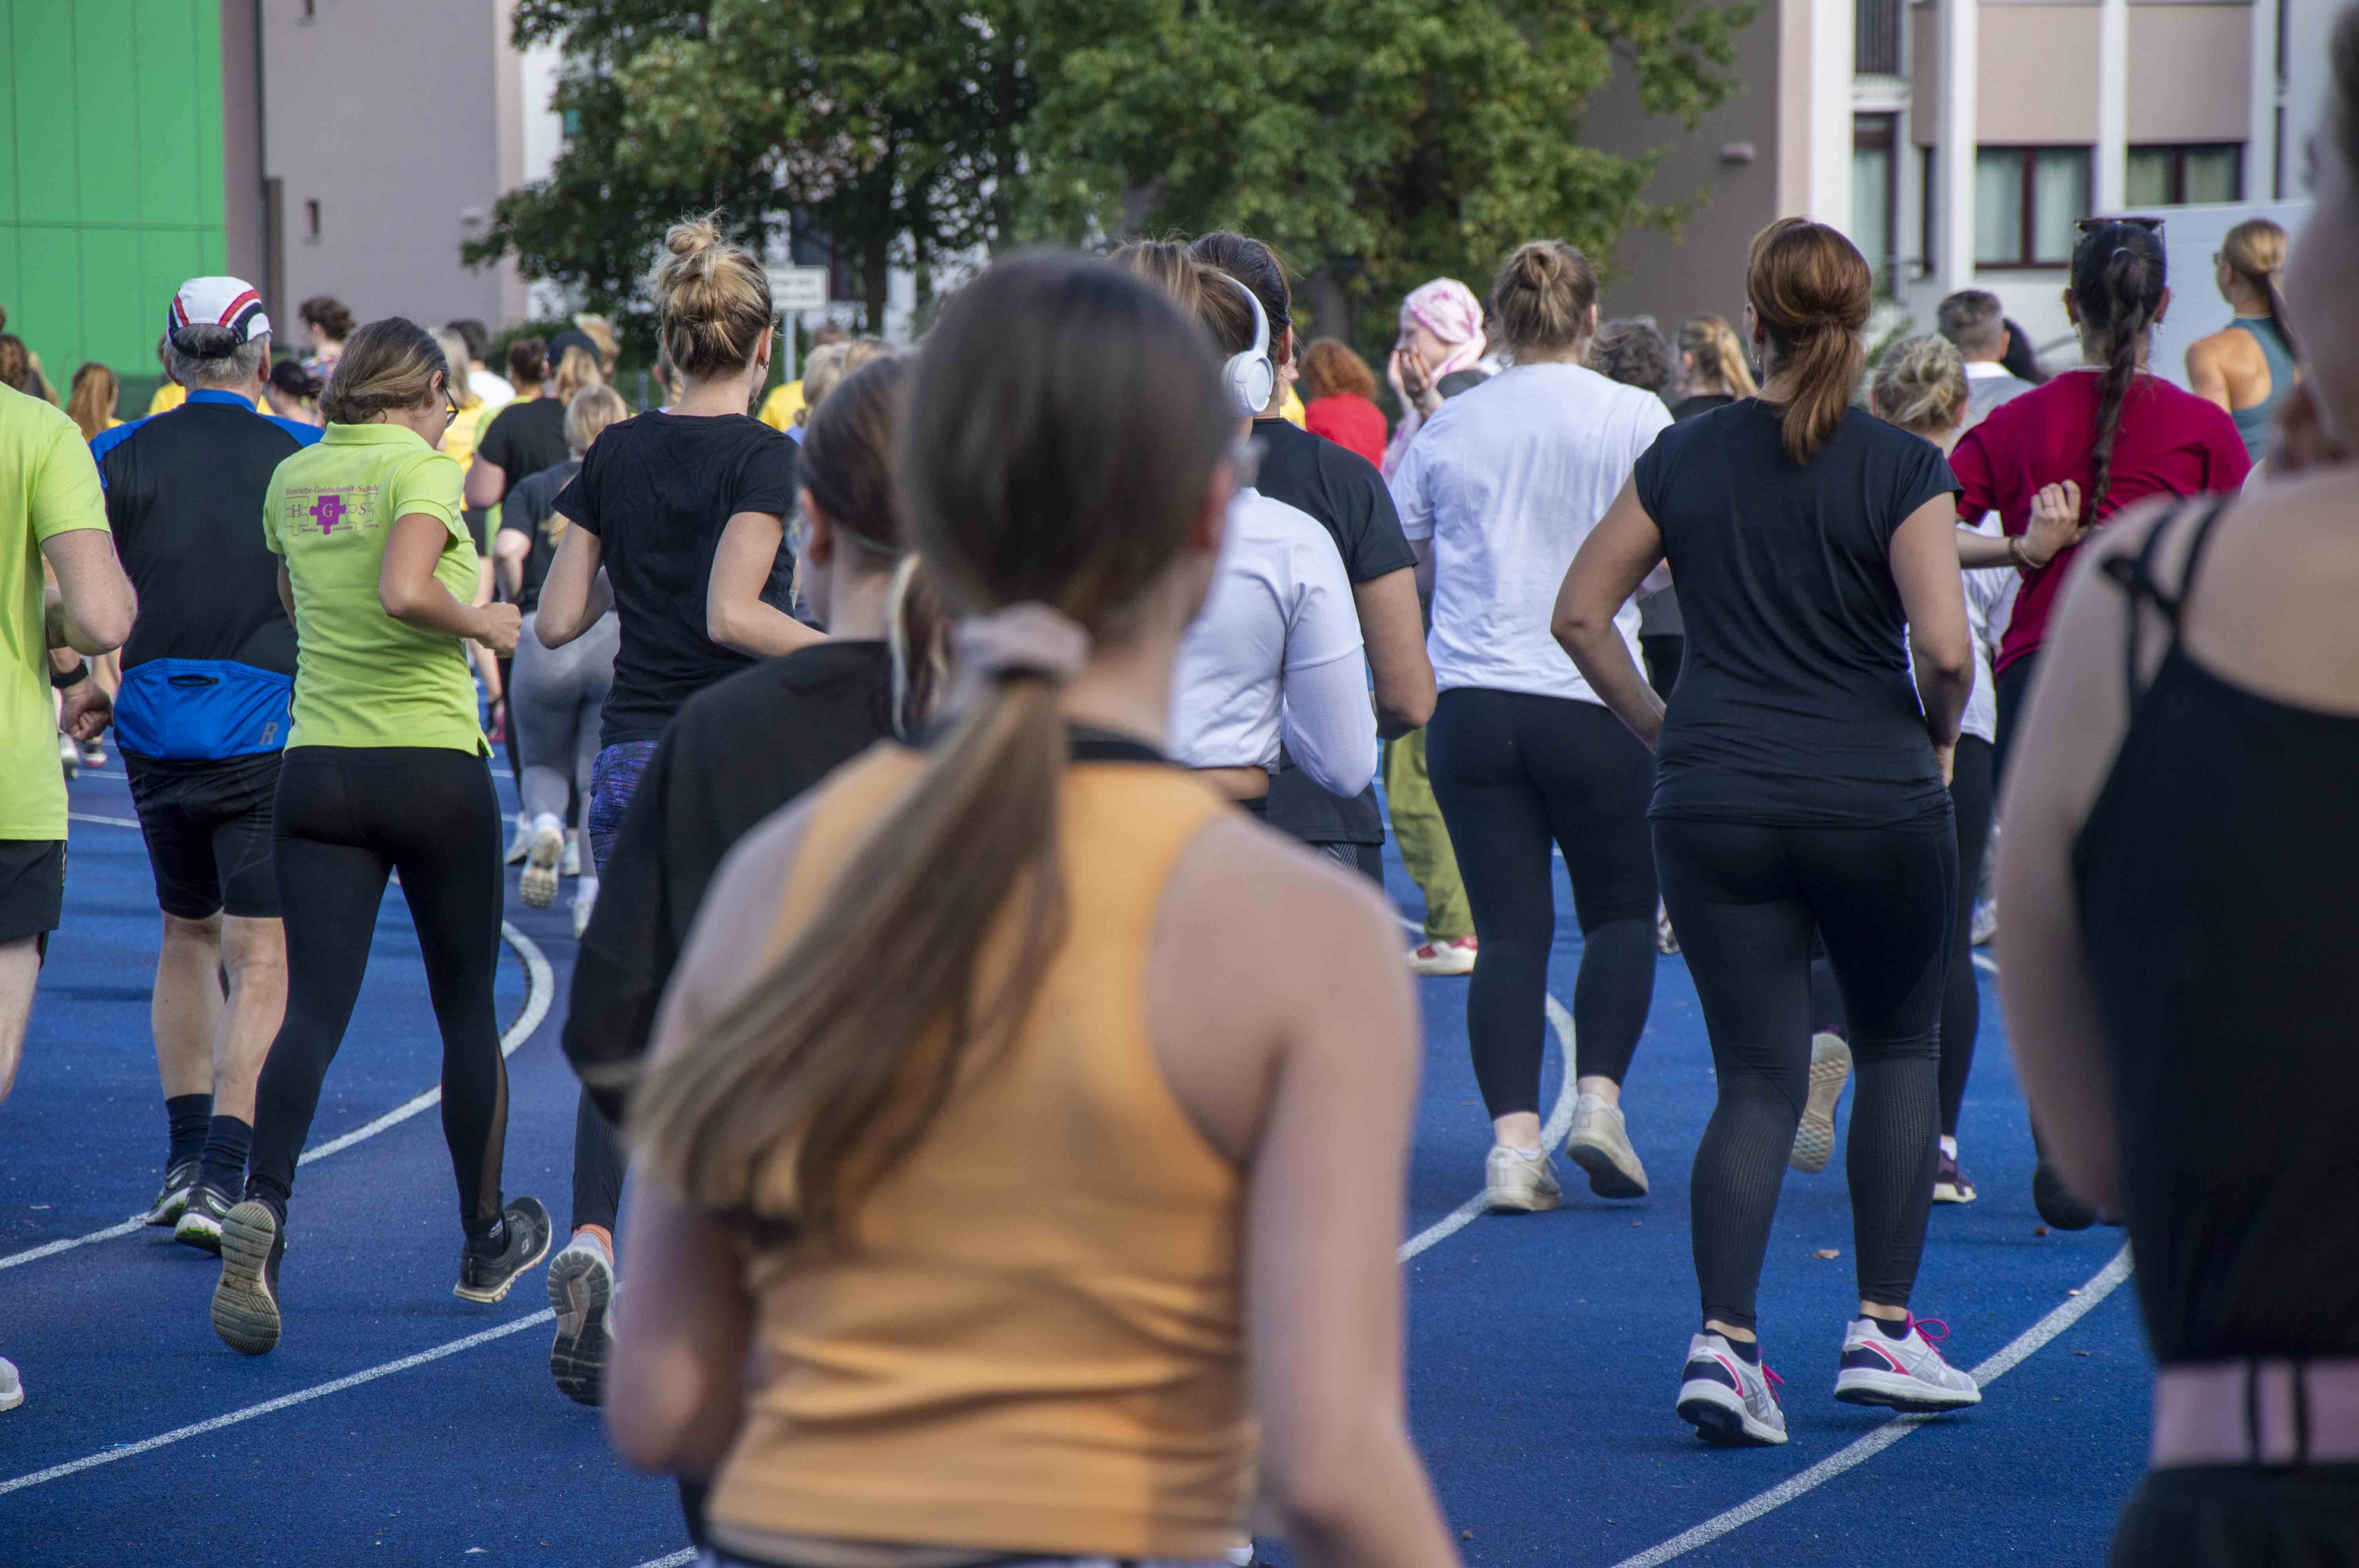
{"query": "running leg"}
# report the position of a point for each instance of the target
(1597, 778)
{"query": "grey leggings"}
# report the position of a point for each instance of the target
(554, 699)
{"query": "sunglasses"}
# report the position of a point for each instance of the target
(2091, 225)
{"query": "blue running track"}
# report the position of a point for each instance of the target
(397, 1424)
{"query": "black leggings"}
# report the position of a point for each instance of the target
(1745, 898)
(345, 818)
(1514, 773)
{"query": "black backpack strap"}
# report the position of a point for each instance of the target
(2136, 577)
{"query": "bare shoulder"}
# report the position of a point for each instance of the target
(1255, 900)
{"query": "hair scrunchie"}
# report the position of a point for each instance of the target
(1028, 638)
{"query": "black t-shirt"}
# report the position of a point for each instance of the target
(738, 752)
(528, 510)
(1348, 496)
(1795, 704)
(1701, 403)
(524, 438)
(657, 491)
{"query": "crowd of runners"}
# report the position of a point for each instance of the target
(936, 735)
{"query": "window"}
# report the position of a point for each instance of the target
(1872, 151)
(1928, 213)
(1876, 38)
(311, 221)
(2027, 200)
(2172, 177)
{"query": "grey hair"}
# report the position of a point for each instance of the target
(218, 359)
(1974, 319)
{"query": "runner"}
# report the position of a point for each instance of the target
(2184, 784)
(384, 773)
(1713, 371)
(1495, 495)
(327, 323)
(202, 718)
(1440, 334)
(50, 513)
(1053, 1361)
(557, 694)
(2249, 365)
(738, 752)
(1800, 787)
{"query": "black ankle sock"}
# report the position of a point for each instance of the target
(489, 1243)
(227, 1144)
(191, 1116)
(1892, 1328)
(270, 1196)
(1747, 1350)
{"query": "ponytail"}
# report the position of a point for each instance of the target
(2117, 287)
(1718, 359)
(2254, 251)
(1811, 289)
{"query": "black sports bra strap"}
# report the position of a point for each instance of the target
(2137, 577)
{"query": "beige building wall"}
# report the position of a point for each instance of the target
(2204, 54)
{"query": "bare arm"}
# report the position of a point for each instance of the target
(735, 613)
(93, 605)
(572, 596)
(486, 483)
(509, 549)
(1619, 552)
(2207, 371)
(1394, 629)
(2055, 526)
(411, 593)
(1941, 645)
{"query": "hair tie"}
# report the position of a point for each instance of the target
(1025, 639)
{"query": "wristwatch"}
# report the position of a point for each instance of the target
(61, 679)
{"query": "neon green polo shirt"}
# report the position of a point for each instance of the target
(49, 486)
(362, 678)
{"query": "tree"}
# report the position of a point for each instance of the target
(1377, 143)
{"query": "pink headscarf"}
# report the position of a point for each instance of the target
(1447, 308)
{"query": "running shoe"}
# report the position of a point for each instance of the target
(1985, 922)
(1455, 956)
(1814, 1139)
(585, 903)
(172, 1198)
(1729, 1400)
(538, 883)
(582, 1293)
(2056, 1202)
(1600, 1144)
(1517, 1183)
(93, 753)
(69, 757)
(12, 1387)
(1904, 1374)
(201, 1222)
(245, 1303)
(1951, 1183)
(521, 841)
(1667, 941)
(487, 1280)
(571, 865)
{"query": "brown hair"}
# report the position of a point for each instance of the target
(2254, 251)
(2117, 287)
(90, 403)
(712, 300)
(1063, 431)
(577, 367)
(1634, 351)
(1543, 295)
(16, 365)
(1920, 386)
(1717, 357)
(1811, 290)
(1329, 369)
(329, 314)
(528, 362)
(1214, 297)
(385, 365)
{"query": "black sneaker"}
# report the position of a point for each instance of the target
(180, 1180)
(2055, 1202)
(201, 1222)
(245, 1303)
(487, 1280)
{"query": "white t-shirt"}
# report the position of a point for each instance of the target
(1276, 649)
(492, 387)
(1507, 479)
(1990, 605)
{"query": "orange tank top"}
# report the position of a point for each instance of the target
(1034, 1344)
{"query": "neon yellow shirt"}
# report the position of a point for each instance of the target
(1291, 410)
(169, 396)
(48, 486)
(779, 409)
(362, 678)
(459, 440)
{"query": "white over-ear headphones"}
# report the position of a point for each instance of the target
(1252, 375)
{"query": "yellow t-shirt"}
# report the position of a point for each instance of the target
(362, 678)
(466, 426)
(48, 486)
(1291, 409)
(169, 396)
(779, 409)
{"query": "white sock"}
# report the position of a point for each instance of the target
(1950, 1146)
(550, 820)
(1531, 1153)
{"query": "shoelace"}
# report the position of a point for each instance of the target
(1776, 1382)
(1921, 1324)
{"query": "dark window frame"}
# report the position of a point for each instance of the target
(2176, 191)
(2027, 162)
(1871, 131)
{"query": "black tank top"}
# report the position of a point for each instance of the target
(2218, 876)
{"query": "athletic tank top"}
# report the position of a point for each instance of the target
(2215, 875)
(2253, 423)
(1034, 1344)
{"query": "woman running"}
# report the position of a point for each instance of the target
(557, 694)
(945, 1137)
(2249, 365)
(384, 773)
(2176, 925)
(1800, 787)
(1496, 495)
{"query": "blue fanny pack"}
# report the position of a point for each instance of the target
(203, 710)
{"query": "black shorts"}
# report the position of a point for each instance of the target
(207, 831)
(32, 888)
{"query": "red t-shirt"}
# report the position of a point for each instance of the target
(2170, 442)
(1353, 423)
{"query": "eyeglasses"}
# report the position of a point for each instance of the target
(450, 401)
(2091, 225)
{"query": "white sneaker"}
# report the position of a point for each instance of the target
(1985, 922)
(571, 865)
(1727, 1399)
(1600, 1144)
(520, 840)
(1455, 956)
(582, 1293)
(546, 846)
(12, 1387)
(1521, 1183)
(1814, 1139)
(585, 899)
(1905, 1374)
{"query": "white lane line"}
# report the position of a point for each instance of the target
(268, 1407)
(2075, 1308)
(680, 1559)
(540, 986)
(104, 821)
(1983, 961)
(1559, 1122)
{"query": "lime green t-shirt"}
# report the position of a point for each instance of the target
(48, 486)
(362, 678)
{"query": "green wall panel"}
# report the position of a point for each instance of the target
(8, 121)
(49, 166)
(169, 97)
(107, 92)
(112, 298)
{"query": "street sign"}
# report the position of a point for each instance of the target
(794, 288)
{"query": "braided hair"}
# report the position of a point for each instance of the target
(2118, 285)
